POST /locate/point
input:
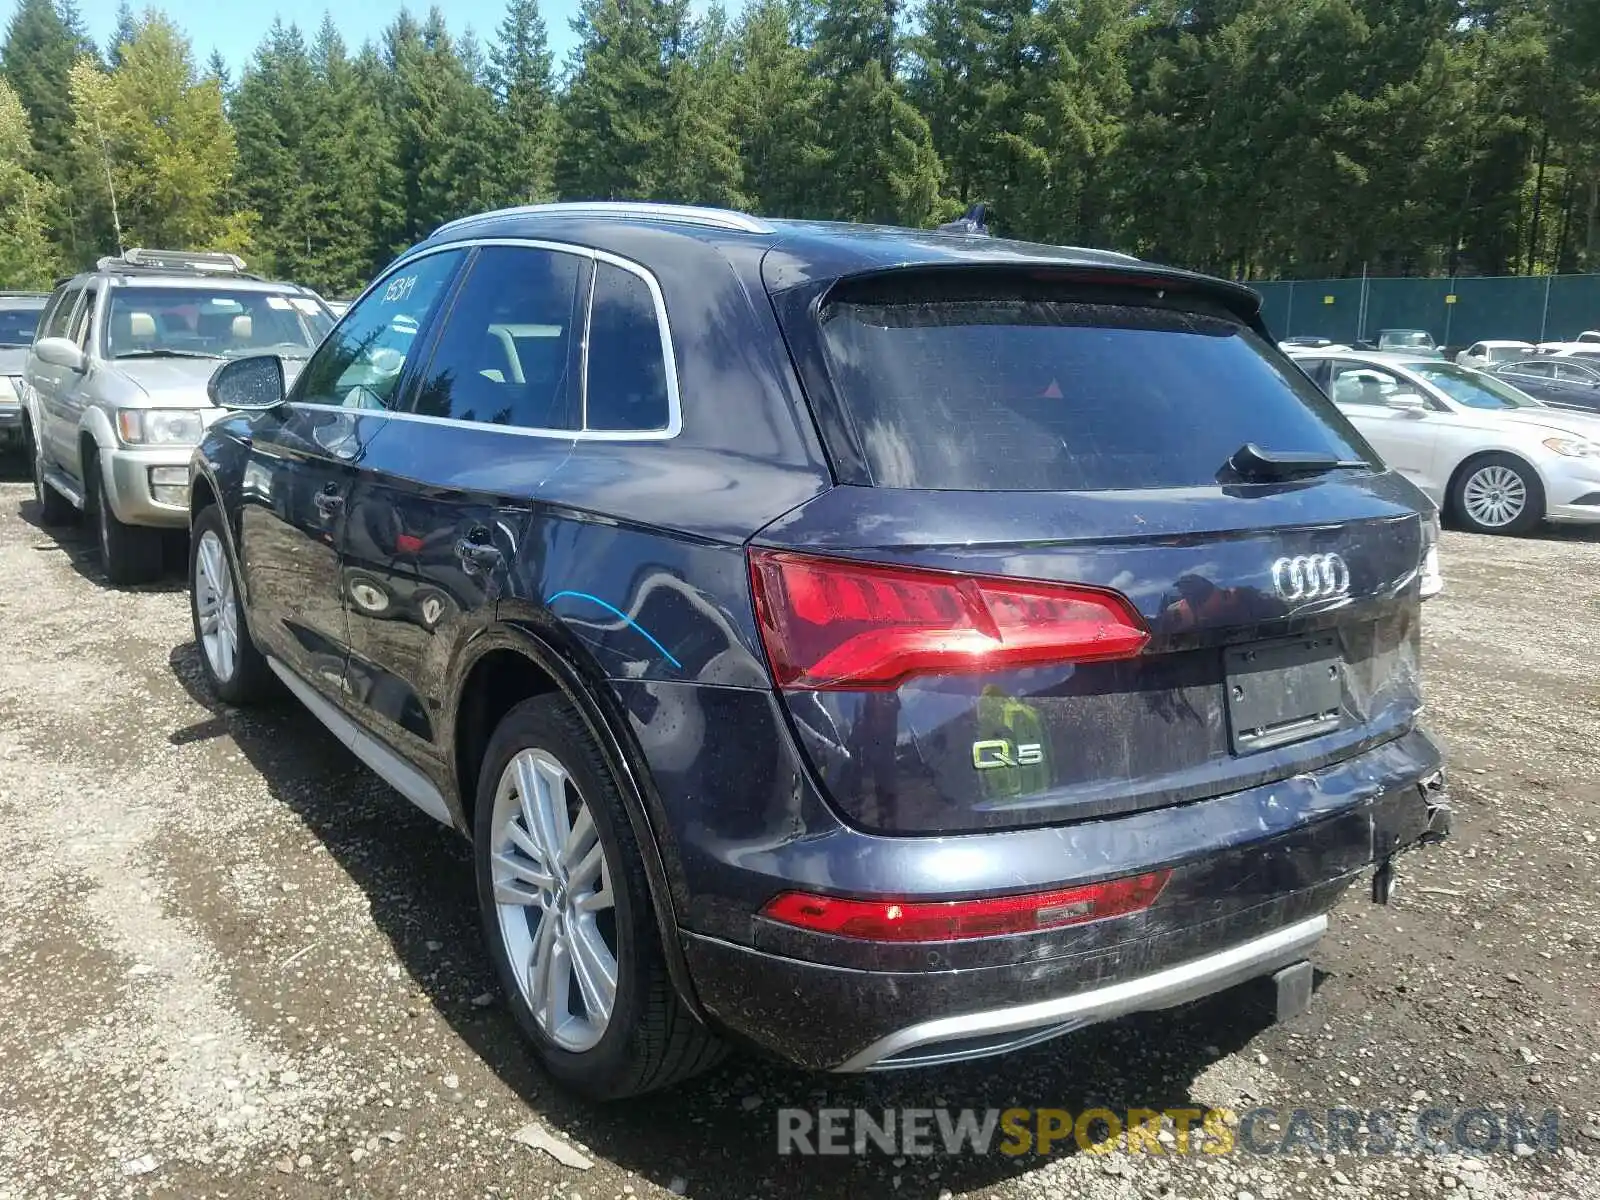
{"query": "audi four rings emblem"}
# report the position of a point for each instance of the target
(1311, 577)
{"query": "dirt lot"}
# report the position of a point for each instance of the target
(232, 963)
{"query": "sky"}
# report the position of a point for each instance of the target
(237, 28)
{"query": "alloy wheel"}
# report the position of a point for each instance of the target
(1494, 496)
(218, 616)
(553, 900)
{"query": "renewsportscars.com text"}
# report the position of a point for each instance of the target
(1209, 1131)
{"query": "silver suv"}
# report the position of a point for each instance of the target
(115, 387)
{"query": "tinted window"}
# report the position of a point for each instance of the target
(1043, 395)
(83, 325)
(1572, 372)
(360, 362)
(508, 353)
(1542, 370)
(56, 321)
(627, 378)
(17, 325)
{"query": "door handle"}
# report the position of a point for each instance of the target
(329, 502)
(478, 555)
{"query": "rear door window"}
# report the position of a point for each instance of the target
(1017, 393)
(59, 317)
(628, 376)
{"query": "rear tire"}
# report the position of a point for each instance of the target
(130, 554)
(54, 508)
(1497, 493)
(235, 669)
(646, 1039)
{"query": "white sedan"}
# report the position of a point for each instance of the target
(1482, 355)
(1493, 458)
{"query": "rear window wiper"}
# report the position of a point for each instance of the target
(1250, 461)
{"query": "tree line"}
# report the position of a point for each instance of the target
(1255, 138)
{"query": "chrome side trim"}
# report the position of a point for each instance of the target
(1175, 985)
(389, 766)
(62, 483)
(674, 424)
(683, 214)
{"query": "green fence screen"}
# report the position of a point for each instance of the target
(1457, 312)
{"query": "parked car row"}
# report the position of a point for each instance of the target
(880, 648)
(1493, 457)
(19, 316)
(116, 385)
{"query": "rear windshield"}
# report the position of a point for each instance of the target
(1044, 395)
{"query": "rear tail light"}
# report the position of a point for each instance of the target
(836, 623)
(953, 920)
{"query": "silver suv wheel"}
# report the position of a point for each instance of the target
(553, 900)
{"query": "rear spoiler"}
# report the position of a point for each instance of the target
(1238, 300)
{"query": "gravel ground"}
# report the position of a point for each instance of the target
(232, 963)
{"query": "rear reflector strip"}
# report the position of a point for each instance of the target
(831, 623)
(954, 920)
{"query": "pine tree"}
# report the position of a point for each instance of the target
(882, 163)
(217, 69)
(349, 155)
(273, 119)
(126, 29)
(615, 106)
(776, 99)
(699, 156)
(28, 258)
(520, 73)
(444, 125)
(170, 147)
(41, 45)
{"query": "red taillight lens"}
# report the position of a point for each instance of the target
(948, 921)
(835, 623)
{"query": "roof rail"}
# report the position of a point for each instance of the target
(639, 210)
(207, 262)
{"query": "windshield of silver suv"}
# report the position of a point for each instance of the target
(222, 322)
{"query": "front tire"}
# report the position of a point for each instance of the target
(1498, 493)
(130, 554)
(567, 914)
(235, 669)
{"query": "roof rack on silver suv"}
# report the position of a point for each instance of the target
(206, 262)
(636, 210)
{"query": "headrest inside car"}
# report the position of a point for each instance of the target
(243, 326)
(141, 325)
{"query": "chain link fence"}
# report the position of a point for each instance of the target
(1457, 312)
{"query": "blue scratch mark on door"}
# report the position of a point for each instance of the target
(611, 608)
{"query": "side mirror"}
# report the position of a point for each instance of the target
(254, 383)
(1407, 402)
(61, 352)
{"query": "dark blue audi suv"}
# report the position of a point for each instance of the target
(874, 647)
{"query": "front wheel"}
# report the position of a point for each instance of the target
(567, 914)
(130, 554)
(1498, 493)
(235, 669)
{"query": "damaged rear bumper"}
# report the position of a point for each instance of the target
(1233, 911)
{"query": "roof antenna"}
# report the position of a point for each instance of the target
(974, 224)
